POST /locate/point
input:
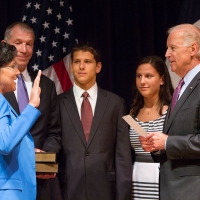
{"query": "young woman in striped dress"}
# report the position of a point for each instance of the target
(152, 94)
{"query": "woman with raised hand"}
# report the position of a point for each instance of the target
(17, 156)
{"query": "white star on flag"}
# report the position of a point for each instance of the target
(64, 49)
(35, 67)
(39, 53)
(46, 25)
(33, 20)
(42, 39)
(37, 6)
(59, 16)
(69, 22)
(28, 5)
(66, 35)
(54, 44)
(62, 3)
(49, 11)
(57, 30)
(51, 58)
(24, 18)
(70, 8)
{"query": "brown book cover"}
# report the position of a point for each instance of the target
(45, 157)
(47, 167)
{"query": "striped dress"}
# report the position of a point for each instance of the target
(145, 178)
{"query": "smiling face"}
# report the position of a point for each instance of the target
(148, 81)
(8, 74)
(24, 41)
(178, 54)
(84, 69)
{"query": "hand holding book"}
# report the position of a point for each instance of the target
(46, 166)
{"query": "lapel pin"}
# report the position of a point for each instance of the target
(191, 88)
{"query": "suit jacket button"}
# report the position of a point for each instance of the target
(87, 153)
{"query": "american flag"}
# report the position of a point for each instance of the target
(52, 23)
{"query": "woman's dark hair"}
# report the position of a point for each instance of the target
(166, 90)
(87, 46)
(7, 53)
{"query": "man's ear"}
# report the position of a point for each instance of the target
(194, 49)
(98, 67)
(3, 41)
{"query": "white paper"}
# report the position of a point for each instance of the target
(134, 125)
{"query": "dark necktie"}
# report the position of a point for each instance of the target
(86, 115)
(176, 94)
(22, 94)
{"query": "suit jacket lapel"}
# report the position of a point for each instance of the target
(181, 101)
(10, 96)
(101, 104)
(72, 110)
(166, 119)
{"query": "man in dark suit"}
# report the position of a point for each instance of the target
(95, 166)
(180, 145)
(46, 130)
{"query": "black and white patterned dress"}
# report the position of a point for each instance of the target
(145, 178)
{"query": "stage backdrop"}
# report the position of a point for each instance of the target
(124, 30)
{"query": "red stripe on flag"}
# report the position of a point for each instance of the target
(62, 75)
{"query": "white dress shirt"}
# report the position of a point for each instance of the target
(79, 99)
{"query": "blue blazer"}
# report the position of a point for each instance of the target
(17, 157)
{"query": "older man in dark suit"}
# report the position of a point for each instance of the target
(180, 145)
(96, 155)
(46, 130)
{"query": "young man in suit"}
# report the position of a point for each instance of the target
(180, 145)
(95, 163)
(46, 130)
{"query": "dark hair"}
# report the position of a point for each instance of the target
(7, 53)
(23, 26)
(86, 46)
(166, 90)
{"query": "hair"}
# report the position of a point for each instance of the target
(23, 26)
(190, 33)
(87, 47)
(166, 90)
(7, 53)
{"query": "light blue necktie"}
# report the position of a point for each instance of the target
(22, 94)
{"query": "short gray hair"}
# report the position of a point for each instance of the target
(23, 26)
(190, 33)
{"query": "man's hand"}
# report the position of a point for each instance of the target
(38, 150)
(146, 145)
(45, 175)
(156, 140)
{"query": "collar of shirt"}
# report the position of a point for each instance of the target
(92, 96)
(26, 76)
(188, 78)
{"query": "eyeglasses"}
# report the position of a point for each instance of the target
(13, 67)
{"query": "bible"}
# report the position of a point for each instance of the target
(45, 157)
(47, 167)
